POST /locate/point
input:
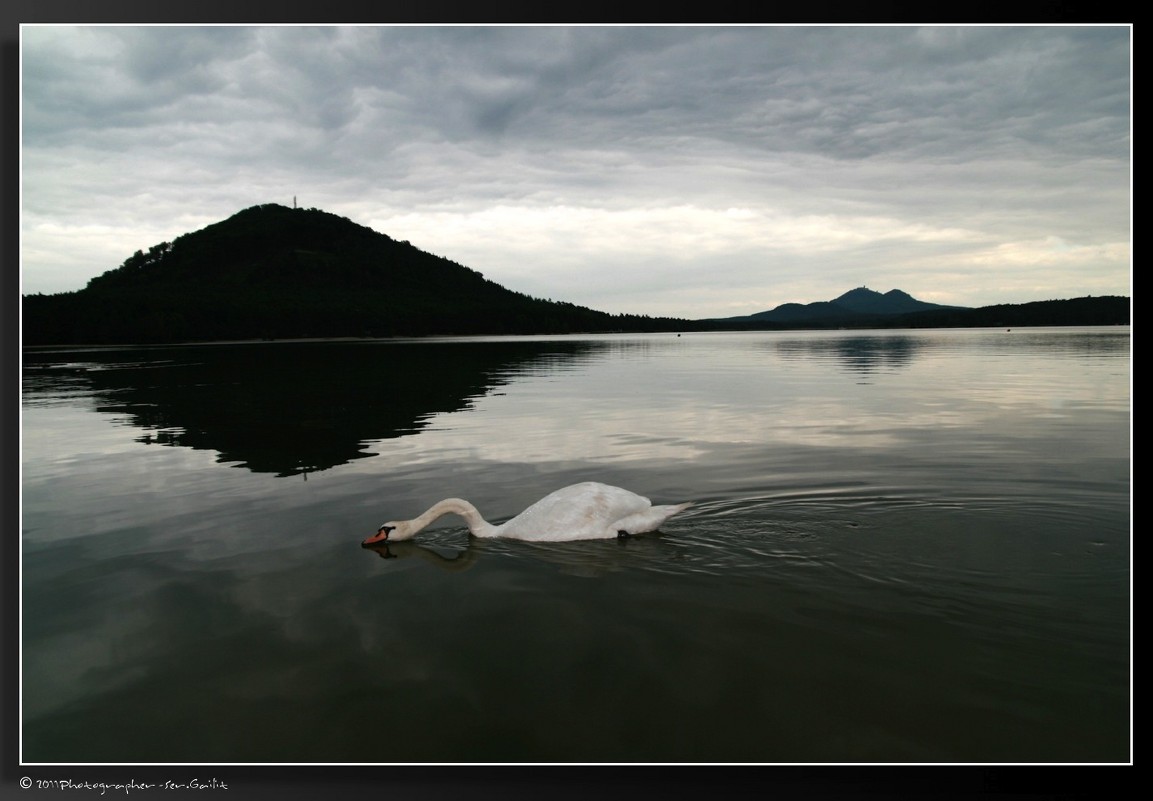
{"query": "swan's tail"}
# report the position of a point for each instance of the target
(662, 513)
(648, 520)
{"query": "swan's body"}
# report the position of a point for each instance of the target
(588, 511)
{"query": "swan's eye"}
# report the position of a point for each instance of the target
(386, 529)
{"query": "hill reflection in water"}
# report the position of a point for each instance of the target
(289, 408)
(856, 353)
(294, 408)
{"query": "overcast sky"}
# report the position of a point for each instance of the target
(684, 171)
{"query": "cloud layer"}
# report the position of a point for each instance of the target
(685, 171)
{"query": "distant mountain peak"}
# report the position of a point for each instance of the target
(852, 305)
(861, 291)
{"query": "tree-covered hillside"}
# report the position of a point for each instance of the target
(275, 272)
(1103, 310)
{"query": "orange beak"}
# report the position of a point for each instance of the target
(379, 536)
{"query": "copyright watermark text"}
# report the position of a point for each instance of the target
(127, 787)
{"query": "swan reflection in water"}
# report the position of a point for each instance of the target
(588, 558)
(458, 562)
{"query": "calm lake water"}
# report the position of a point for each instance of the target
(906, 547)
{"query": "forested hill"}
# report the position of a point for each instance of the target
(1100, 310)
(275, 272)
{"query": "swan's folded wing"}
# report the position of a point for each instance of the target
(582, 511)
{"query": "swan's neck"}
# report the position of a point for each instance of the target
(455, 506)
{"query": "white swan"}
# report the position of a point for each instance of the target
(587, 511)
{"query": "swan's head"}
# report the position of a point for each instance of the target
(393, 531)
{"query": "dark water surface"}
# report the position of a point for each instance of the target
(906, 547)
